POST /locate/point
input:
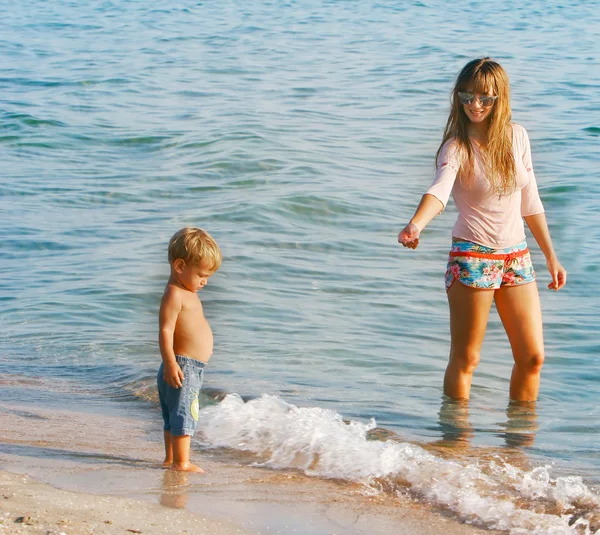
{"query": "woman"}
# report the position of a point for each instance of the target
(484, 160)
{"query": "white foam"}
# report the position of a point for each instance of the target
(319, 442)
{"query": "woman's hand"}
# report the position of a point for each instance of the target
(558, 274)
(409, 236)
(539, 228)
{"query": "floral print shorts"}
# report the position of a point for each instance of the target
(479, 266)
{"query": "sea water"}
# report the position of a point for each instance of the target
(301, 135)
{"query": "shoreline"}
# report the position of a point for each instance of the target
(29, 506)
(73, 466)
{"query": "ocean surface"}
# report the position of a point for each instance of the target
(301, 135)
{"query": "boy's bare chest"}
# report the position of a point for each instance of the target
(191, 310)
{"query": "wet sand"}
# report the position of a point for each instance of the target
(85, 471)
(28, 506)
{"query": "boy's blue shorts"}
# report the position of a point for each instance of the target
(180, 405)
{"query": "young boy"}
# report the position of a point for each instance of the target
(185, 340)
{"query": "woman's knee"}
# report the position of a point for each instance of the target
(531, 363)
(466, 361)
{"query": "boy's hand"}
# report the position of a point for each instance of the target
(173, 375)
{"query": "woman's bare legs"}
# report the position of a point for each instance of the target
(469, 312)
(521, 314)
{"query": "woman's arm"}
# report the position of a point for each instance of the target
(539, 228)
(428, 208)
(435, 198)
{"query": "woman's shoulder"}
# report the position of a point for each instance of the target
(519, 131)
(449, 153)
(450, 146)
(520, 139)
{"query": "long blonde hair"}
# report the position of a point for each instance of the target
(480, 76)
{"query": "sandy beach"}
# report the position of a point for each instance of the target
(71, 472)
(29, 506)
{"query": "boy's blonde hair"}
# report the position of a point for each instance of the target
(195, 246)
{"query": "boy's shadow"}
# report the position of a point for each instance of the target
(174, 489)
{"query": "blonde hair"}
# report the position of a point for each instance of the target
(480, 76)
(195, 246)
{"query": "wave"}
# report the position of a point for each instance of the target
(491, 493)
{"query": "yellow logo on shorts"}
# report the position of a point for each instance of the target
(194, 409)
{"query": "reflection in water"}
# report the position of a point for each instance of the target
(521, 424)
(519, 428)
(174, 489)
(454, 422)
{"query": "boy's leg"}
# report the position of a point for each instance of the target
(162, 397)
(168, 450)
(181, 454)
(182, 407)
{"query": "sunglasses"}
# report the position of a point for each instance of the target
(468, 98)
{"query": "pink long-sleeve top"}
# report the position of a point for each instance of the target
(484, 217)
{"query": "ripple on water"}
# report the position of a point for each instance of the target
(302, 138)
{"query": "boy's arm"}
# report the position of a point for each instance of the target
(170, 307)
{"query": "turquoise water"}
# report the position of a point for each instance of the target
(301, 135)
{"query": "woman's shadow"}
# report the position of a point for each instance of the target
(521, 424)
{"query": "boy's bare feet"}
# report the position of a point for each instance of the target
(167, 464)
(187, 467)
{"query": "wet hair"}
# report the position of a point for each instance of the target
(481, 76)
(195, 246)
